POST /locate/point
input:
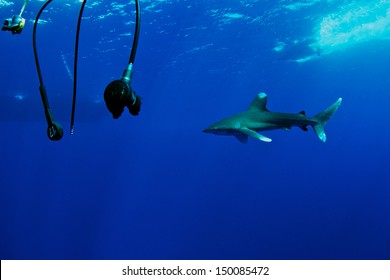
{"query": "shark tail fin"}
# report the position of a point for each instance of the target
(322, 118)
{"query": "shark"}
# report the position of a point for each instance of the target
(258, 118)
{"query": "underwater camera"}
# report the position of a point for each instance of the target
(15, 25)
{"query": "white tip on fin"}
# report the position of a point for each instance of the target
(259, 103)
(263, 138)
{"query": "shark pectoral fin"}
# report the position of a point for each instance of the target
(254, 134)
(304, 128)
(243, 138)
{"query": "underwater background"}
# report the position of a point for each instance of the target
(155, 186)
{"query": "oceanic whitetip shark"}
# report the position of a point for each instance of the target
(258, 118)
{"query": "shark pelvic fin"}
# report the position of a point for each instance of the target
(243, 138)
(254, 134)
(259, 103)
(304, 128)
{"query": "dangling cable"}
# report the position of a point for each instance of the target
(76, 53)
(23, 7)
(128, 73)
(136, 33)
(54, 130)
(35, 42)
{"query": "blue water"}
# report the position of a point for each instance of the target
(154, 186)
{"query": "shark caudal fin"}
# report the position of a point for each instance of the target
(323, 117)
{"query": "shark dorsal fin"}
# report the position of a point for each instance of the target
(259, 103)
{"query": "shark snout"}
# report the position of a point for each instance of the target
(215, 130)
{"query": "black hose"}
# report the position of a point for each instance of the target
(76, 53)
(136, 33)
(35, 42)
(54, 129)
(42, 89)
